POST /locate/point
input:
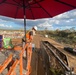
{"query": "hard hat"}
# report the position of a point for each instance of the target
(35, 27)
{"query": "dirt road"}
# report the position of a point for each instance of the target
(37, 65)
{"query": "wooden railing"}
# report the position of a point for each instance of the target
(17, 62)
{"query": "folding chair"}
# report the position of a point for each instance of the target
(7, 43)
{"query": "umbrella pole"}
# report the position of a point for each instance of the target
(25, 26)
(24, 19)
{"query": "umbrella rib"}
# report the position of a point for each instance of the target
(35, 2)
(17, 8)
(2, 1)
(35, 7)
(31, 11)
(16, 12)
(17, 3)
(13, 4)
(66, 3)
(43, 8)
(32, 14)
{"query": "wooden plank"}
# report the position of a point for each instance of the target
(6, 62)
(13, 67)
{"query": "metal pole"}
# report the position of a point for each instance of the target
(25, 27)
(24, 19)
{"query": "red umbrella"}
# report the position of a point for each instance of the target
(35, 9)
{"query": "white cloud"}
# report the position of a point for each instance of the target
(67, 15)
(74, 13)
(62, 16)
(68, 21)
(10, 26)
(5, 26)
(57, 22)
(71, 19)
(53, 21)
(45, 24)
(2, 25)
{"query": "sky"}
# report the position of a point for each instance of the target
(63, 21)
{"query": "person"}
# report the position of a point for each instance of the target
(29, 38)
(28, 50)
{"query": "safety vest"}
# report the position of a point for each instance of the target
(28, 36)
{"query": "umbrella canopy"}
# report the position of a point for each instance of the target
(35, 9)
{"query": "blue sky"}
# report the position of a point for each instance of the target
(66, 20)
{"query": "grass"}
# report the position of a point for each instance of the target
(63, 37)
